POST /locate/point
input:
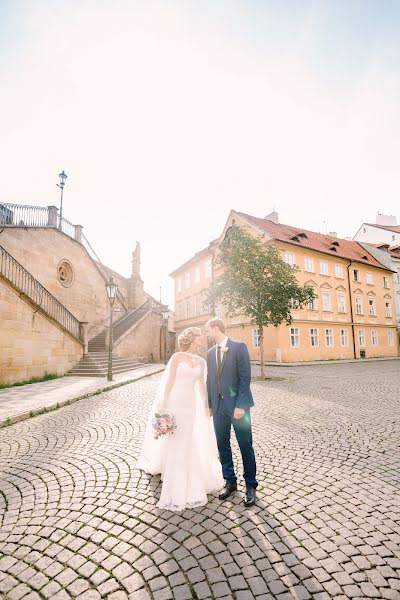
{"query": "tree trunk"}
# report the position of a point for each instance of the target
(261, 328)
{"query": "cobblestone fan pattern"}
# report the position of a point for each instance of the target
(79, 521)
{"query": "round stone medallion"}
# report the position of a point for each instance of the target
(65, 273)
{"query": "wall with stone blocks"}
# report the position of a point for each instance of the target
(143, 342)
(30, 344)
(40, 251)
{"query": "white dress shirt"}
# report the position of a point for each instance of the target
(221, 345)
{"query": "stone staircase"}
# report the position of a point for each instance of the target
(95, 364)
(121, 326)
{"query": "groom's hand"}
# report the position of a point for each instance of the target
(210, 412)
(238, 413)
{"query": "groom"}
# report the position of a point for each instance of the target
(229, 400)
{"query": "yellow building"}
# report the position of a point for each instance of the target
(353, 315)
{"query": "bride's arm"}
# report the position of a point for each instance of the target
(203, 387)
(169, 383)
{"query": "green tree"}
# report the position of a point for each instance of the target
(255, 281)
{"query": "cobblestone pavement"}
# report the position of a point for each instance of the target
(78, 521)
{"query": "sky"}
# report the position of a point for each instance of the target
(167, 114)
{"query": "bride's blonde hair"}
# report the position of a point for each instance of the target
(186, 337)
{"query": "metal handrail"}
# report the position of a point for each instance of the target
(26, 283)
(92, 253)
(68, 228)
(23, 215)
(130, 319)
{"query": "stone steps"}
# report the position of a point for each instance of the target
(95, 364)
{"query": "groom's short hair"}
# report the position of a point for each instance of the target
(216, 322)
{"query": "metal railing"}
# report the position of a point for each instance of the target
(67, 227)
(19, 214)
(124, 324)
(92, 253)
(38, 216)
(24, 282)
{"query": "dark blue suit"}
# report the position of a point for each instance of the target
(232, 390)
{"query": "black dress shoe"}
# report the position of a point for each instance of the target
(250, 498)
(228, 490)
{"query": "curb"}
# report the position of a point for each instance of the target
(316, 363)
(29, 414)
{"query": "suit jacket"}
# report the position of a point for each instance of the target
(235, 378)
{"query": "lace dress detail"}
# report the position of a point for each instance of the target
(187, 460)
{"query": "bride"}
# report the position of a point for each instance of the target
(187, 459)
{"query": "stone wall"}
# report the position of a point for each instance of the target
(143, 342)
(41, 250)
(31, 344)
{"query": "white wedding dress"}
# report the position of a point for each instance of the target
(188, 459)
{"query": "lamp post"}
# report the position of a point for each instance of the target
(111, 288)
(63, 176)
(165, 314)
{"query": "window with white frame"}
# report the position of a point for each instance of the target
(309, 264)
(218, 311)
(386, 282)
(197, 274)
(289, 258)
(256, 338)
(369, 278)
(361, 337)
(326, 301)
(323, 267)
(356, 275)
(179, 311)
(341, 300)
(374, 337)
(197, 307)
(329, 337)
(390, 334)
(294, 337)
(187, 309)
(208, 268)
(293, 303)
(344, 337)
(312, 305)
(187, 279)
(179, 284)
(339, 271)
(359, 306)
(371, 307)
(207, 308)
(313, 337)
(388, 310)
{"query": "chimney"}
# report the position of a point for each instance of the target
(385, 219)
(333, 233)
(273, 216)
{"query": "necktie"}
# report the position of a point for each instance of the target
(219, 368)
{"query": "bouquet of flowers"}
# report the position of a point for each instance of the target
(163, 423)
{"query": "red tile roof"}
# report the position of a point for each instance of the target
(319, 242)
(392, 250)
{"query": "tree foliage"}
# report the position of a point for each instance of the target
(255, 281)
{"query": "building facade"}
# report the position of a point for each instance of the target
(353, 315)
(383, 241)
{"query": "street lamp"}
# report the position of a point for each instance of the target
(62, 176)
(165, 314)
(111, 288)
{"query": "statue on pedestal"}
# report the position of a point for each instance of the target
(135, 286)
